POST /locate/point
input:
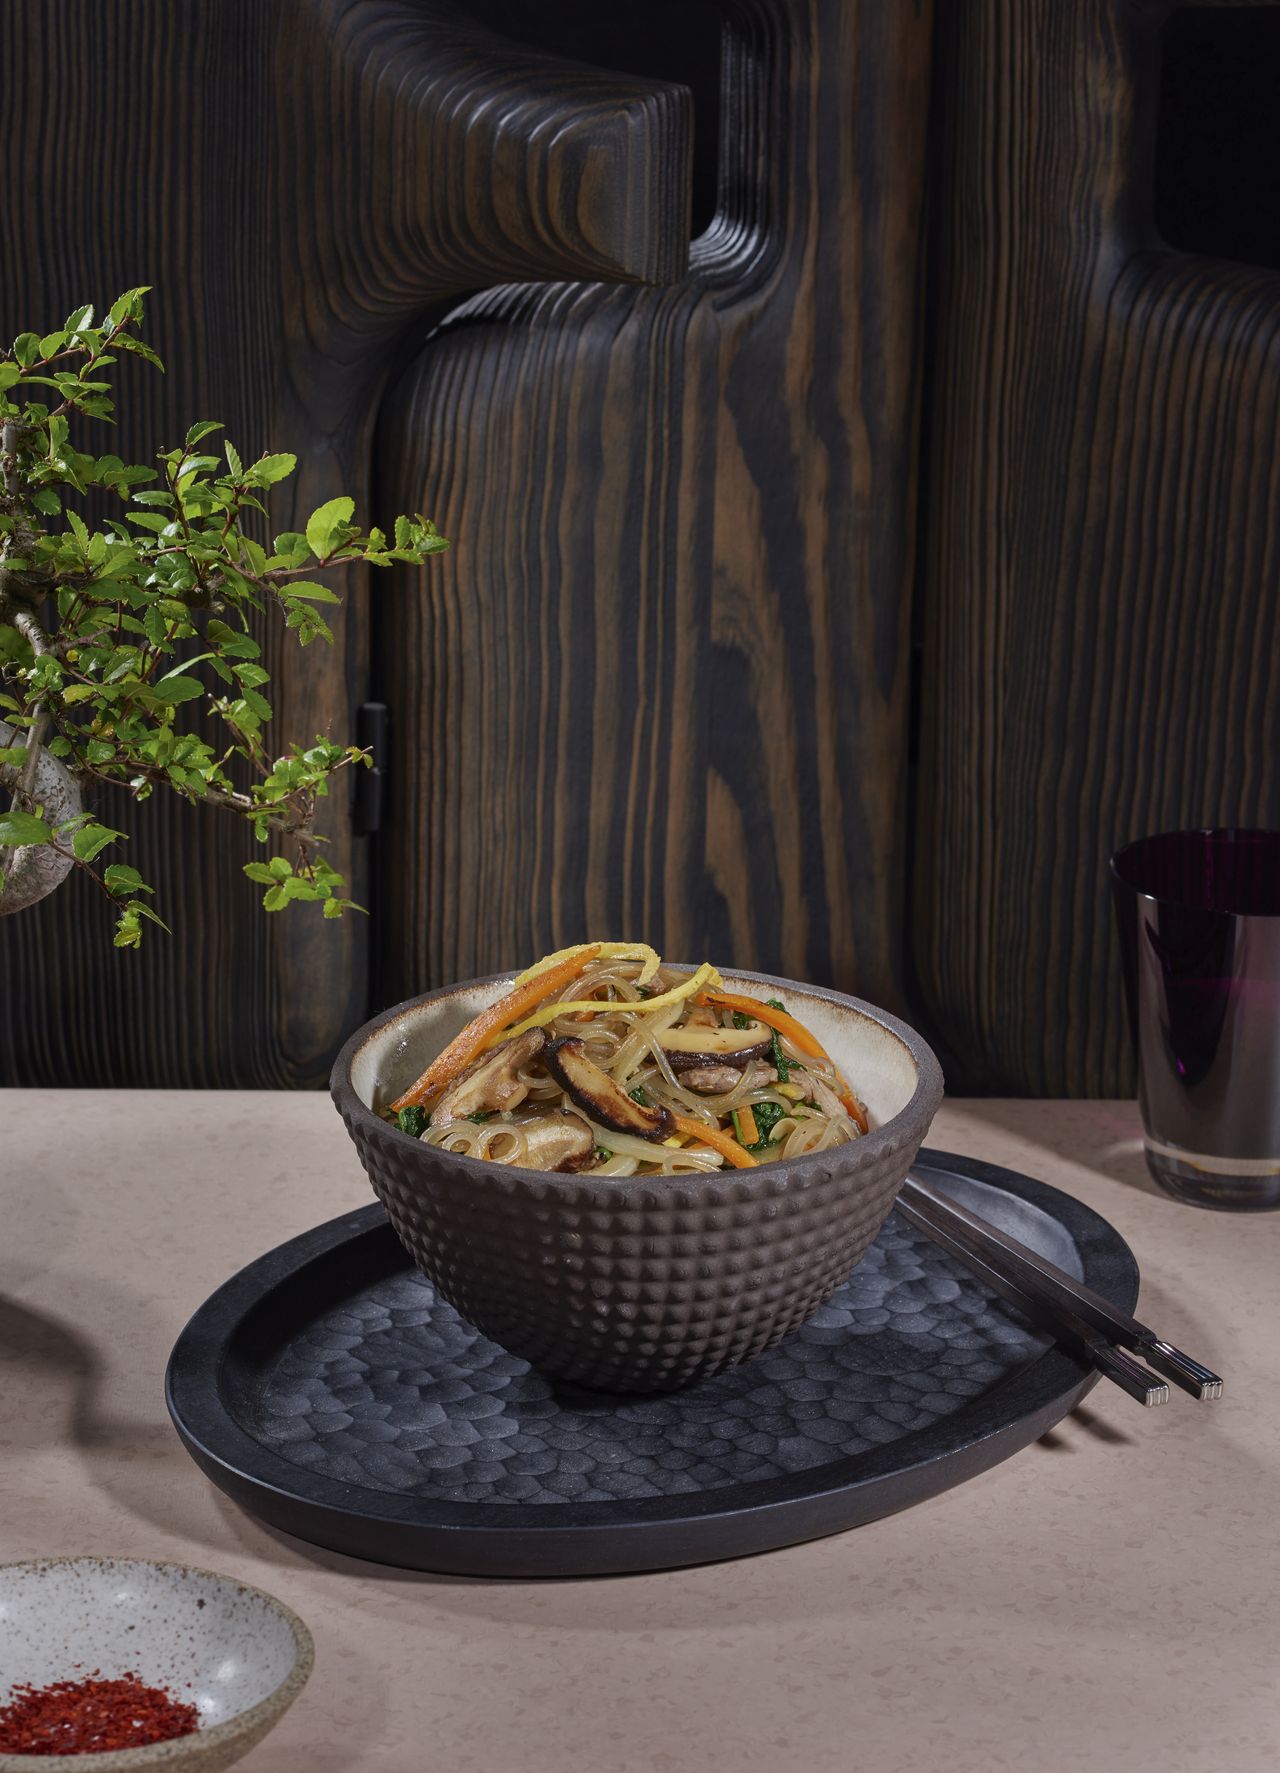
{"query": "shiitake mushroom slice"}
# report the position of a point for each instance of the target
(690, 1045)
(597, 1094)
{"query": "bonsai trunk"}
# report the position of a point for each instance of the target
(32, 872)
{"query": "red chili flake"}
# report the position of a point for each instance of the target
(91, 1716)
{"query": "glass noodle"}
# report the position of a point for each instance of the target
(805, 1108)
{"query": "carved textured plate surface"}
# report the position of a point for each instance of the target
(328, 1390)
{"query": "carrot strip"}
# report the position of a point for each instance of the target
(797, 1034)
(464, 1047)
(728, 1148)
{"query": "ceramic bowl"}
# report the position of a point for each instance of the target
(235, 1653)
(639, 1283)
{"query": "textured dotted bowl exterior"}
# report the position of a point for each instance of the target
(639, 1284)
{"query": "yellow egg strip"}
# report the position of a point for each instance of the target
(705, 976)
(607, 951)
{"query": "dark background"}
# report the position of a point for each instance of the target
(857, 429)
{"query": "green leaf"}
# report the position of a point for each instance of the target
(129, 927)
(138, 349)
(232, 641)
(13, 754)
(151, 520)
(79, 527)
(154, 626)
(47, 502)
(325, 526)
(279, 868)
(267, 470)
(290, 547)
(51, 344)
(254, 553)
(78, 692)
(129, 306)
(234, 463)
(202, 429)
(172, 690)
(90, 840)
(9, 374)
(26, 348)
(275, 900)
(120, 878)
(260, 872)
(14, 645)
(311, 591)
(18, 828)
(128, 930)
(259, 704)
(81, 318)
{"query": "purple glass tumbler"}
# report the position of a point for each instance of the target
(1199, 920)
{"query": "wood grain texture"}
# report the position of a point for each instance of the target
(303, 183)
(660, 687)
(1099, 620)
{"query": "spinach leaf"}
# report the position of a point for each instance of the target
(767, 1115)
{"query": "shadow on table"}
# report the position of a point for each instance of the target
(1074, 1433)
(54, 1396)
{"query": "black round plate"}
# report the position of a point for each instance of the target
(328, 1390)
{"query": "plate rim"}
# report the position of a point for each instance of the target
(548, 1538)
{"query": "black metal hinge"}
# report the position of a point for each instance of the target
(373, 726)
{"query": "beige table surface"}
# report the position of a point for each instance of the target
(1105, 1600)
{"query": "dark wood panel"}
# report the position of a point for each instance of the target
(302, 182)
(1099, 624)
(660, 687)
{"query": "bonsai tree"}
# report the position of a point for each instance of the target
(111, 637)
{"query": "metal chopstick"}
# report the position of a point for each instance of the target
(1130, 1375)
(1040, 1278)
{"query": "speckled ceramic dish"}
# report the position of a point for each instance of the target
(235, 1653)
(639, 1283)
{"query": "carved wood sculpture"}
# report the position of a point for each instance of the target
(667, 662)
(301, 182)
(1100, 625)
